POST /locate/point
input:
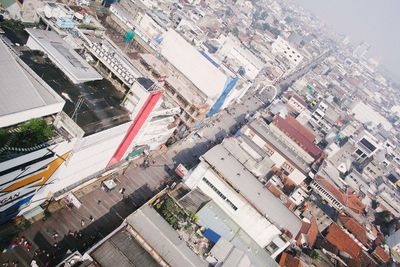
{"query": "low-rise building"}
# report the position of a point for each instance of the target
(284, 49)
(233, 54)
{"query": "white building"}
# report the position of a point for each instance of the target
(99, 134)
(366, 146)
(297, 103)
(27, 169)
(239, 194)
(211, 82)
(233, 54)
(367, 115)
(283, 48)
(62, 55)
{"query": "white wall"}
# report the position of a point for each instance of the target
(91, 155)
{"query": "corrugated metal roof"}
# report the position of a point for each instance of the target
(296, 136)
(122, 250)
(252, 189)
(163, 238)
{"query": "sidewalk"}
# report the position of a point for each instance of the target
(140, 185)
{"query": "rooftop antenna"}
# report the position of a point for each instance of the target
(78, 105)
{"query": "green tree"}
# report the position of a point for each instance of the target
(35, 131)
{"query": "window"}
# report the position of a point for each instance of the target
(269, 151)
(219, 193)
(271, 248)
(287, 167)
(368, 144)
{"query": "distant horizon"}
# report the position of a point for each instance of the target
(374, 22)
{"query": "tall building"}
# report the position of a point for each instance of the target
(30, 153)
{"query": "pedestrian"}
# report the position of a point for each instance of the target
(91, 218)
(82, 222)
(55, 235)
(55, 245)
(98, 202)
(14, 245)
(28, 246)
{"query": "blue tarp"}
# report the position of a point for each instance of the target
(211, 235)
(209, 59)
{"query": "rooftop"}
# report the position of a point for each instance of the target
(162, 238)
(300, 100)
(253, 190)
(63, 56)
(342, 241)
(186, 59)
(179, 82)
(296, 136)
(100, 109)
(303, 130)
(121, 249)
(261, 128)
(211, 216)
(380, 253)
(355, 228)
(23, 95)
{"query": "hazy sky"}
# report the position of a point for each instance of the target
(375, 21)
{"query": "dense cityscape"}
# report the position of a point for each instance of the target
(193, 133)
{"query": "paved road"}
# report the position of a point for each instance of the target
(226, 123)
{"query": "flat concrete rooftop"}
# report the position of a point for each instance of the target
(101, 108)
(178, 81)
(62, 55)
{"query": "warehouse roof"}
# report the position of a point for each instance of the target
(163, 238)
(296, 136)
(122, 250)
(252, 189)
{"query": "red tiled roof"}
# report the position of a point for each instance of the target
(381, 254)
(354, 203)
(296, 136)
(288, 260)
(342, 241)
(300, 100)
(355, 228)
(306, 132)
(310, 230)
